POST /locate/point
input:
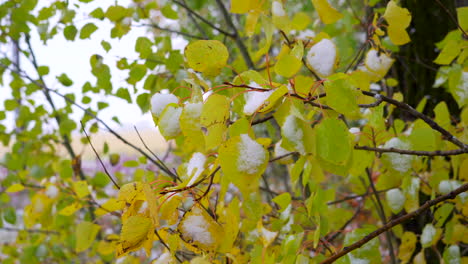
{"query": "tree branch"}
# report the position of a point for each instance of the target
(419, 115)
(186, 7)
(153, 25)
(99, 158)
(395, 222)
(413, 152)
(235, 36)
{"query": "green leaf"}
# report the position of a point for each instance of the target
(341, 97)
(283, 200)
(70, 32)
(106, 45)
(87, 30)
(333, 145)
(97, 13)
(144, 47)
(207, 56)
(137, 72)
(288, 65)
(43, 70)
(116, 13)
(63, 79)
(85, 235)
(9, 214)
(143, 101)
(168, 12)
(452, 254)
(124, 94)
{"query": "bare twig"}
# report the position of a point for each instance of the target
(153, 25)
(395, 222)
(381, 213)
(150, 151)
(204, 20)
(419, 115)
(414, 152)
(99, 158)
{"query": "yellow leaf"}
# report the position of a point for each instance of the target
(326, 12)
(85, 235)
(300, 21)
(462, 13)
(398, 19)
(207, 56)
(110, 205)
(243, 6)
(17, 187)
(251, 22)
(398, 35)
(419, 258)
(407, 246)
(81, 188)
(168, 210)
(152, 204)
(199, 260)
(70, 209)
(135, 232)
(198, 228)
(107, 246)
(288, 65)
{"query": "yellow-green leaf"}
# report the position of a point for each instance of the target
(326, 12)
(207, 56)
(135, 232)
(81, 188)
(17, 187)
(407, 246)
(462, 13)
(215, 113)
(449, 52)
(70, 209)
(85, 235)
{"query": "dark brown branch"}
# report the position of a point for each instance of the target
(204, 20)
(195, 22)
(414, 152)
(352, 197)
(99, 158)
(165, 245)
(239, 42)
(454, 20)
(419, 115)
(395, 222)
(282, 156)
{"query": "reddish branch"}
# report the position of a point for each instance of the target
(395, 222)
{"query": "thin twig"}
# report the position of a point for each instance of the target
(419, 115)
(381, 213)
(413, 152)
(395, 222)
(165, 245)
(153, 25)
(283, 156)
(204, 20)
(454, 20)
(150, 151)
(99, 158)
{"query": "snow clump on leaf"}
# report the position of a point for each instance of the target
(322, 56)
(159, 101)
(252, 155)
